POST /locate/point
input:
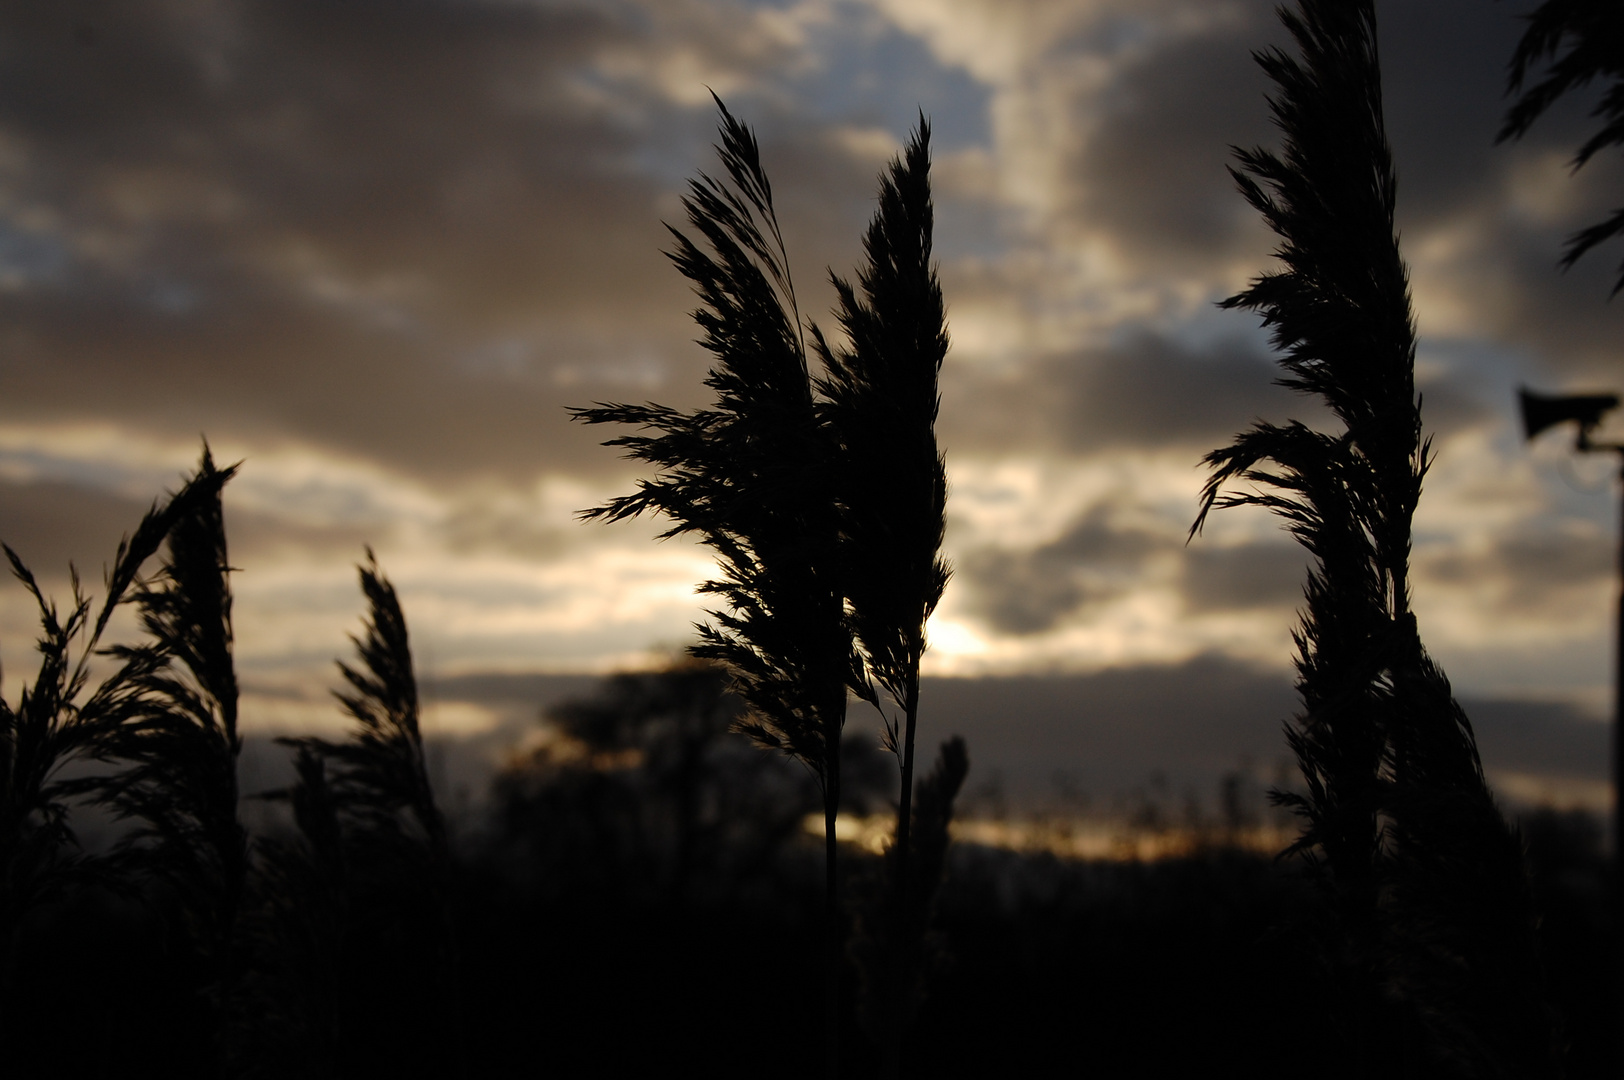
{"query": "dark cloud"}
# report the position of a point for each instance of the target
(1104, 737)
(1443, 88)
(1146, 392)
(520, 701)
(1455, 402)
(1444, 71)
(1149, 176)
(1110, 733)
(1098, 558)
(1152, 173)
(1530, 572)
(1104, 734)
(1115, 727)
(51, 524)
(407, 231)
(1553, 740)
(413, 232)
(1033, 590)
(1242, 576)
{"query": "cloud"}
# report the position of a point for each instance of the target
(1149, 174)
(1031, 591)
(410, 233)
(1192, 722)
(1147, 392)
(375, 248)
(50, 525)
(1098, 743)
(1531, 573)
(1239, 577)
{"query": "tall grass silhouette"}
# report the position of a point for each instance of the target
(753, 478)
(370, 886)
(880, 403)
(1434, 917)
(1592, 34)
(176, 748)
(893, 942)
(824, 496)
(59, 719)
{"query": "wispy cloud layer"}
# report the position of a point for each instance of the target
(373, 249)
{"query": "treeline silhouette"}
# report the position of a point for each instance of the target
(642, 893)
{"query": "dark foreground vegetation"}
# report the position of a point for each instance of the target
(1052, 968)
(639, 896)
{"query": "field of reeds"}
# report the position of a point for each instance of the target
(581, 955)
(640, 893)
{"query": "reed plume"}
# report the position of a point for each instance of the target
(374, 840)
(58, 719)
(1592, 32)
(379, 776)
(177, 746)
(1428, 890)
(753, 477)
(880, 403)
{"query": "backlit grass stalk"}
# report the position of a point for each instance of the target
(178, 748)
(1427, 884)
(892, 941)
(1575, 42)
(881, 403)
(58, 719)
(368, 801)
(754, 478)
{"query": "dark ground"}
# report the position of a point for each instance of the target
(1181, 967)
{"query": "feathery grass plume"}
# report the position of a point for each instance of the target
(178, 745)
(1428, 890)
(374, 837)
(892, 942)
(55, 722)
(1592, 31)
(379, 775)
(753, 478)
(881, 403)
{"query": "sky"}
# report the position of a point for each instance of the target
(373, 250)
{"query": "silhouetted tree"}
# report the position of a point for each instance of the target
(645, 793)
(1592, 33)
(1429, 892)
(753, 477)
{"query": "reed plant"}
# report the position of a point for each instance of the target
(895, 948)
(175, 746)
(65, 716)
(371, 884)
(754, 478)
(1575, 42)
(880, 402)
(1435, 927)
